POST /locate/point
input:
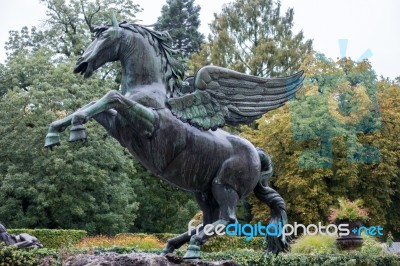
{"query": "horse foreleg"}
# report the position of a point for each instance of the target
(55, 128)
(144, 119)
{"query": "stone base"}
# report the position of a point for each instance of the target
(142, 259)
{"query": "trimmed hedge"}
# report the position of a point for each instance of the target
(52, 238)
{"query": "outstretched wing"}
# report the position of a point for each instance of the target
(226, 96)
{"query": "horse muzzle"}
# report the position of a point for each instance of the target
(83, 68)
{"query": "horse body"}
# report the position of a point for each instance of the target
(178, 153)
(217, 167)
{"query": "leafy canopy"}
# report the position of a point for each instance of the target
(181, 19)
(253, 36)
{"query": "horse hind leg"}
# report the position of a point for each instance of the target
(227, 199)
(209, 207)
(178, 241)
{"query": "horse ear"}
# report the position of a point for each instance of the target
(114, 21)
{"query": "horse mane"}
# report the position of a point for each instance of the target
(173, 67)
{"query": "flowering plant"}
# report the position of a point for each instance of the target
(348, 210)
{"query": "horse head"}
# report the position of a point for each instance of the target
(145, 54)
(103, 49)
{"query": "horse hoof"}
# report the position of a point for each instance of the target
(193, 252)
(52, 139)
(78, 132)
(166, 251)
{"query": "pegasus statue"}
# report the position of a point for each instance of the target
(174, 127)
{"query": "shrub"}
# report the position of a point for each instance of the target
(223, 243)
(327, 245)
(371, 246)
(52, 238)
(12, 256)
(389, 240)
(315, 244)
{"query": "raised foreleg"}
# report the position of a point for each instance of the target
(143, 119)
(103, 112)
(55, 128)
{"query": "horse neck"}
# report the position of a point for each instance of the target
(141, 66)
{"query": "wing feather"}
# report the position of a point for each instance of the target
(225, 96)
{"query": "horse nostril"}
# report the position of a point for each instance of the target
(81, 67)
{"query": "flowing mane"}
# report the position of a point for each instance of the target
(173, 67)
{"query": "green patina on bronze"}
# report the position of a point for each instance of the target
(172, 126)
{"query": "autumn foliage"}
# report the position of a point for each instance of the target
(319, 157)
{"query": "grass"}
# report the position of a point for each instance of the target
(121, 240)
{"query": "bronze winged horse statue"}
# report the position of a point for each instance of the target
(177, 135)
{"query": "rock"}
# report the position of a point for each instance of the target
(394, 249)
(142, 259)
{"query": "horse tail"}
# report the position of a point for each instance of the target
(275, 202)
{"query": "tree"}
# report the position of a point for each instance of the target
(252, 36)
(389, 145)
(69, 25)
(96, 185)
(335, 141)
(78, 186)
(181, 19)
(163, 208)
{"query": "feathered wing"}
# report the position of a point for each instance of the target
(224, 96)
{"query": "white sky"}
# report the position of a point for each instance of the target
(367, 24)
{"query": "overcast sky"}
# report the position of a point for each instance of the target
(366, 24)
